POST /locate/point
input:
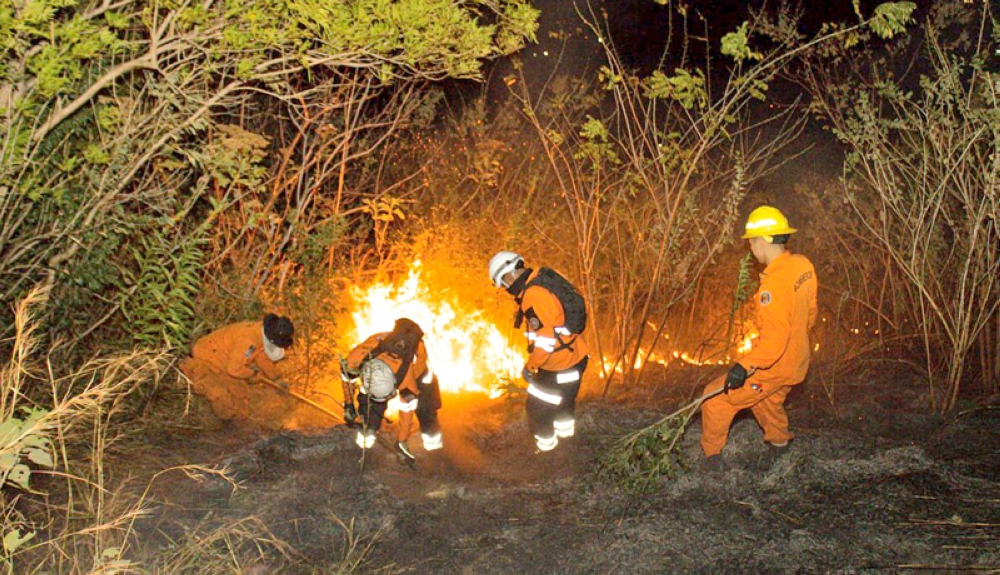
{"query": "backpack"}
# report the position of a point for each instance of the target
(401, 342)
(574, 308)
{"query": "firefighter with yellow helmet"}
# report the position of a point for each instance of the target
(784, 312)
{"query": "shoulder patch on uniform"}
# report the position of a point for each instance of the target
(765, 297)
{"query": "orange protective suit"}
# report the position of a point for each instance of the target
(221, 368)
(418, 366)
(785, 311)
(408, 387)
(549, 351)
(558, 359)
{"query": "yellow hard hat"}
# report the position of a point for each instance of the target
(767, 222)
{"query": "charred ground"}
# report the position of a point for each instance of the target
(875, 486)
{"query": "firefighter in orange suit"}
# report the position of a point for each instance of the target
(557, 356)
(387, 363)
(223, 362)
(785, 311)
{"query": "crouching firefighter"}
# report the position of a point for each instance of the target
(387, 363)
(554, 316)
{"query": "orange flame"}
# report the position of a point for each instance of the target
(645, 356)
(466, 350)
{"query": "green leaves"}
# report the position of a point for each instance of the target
(891, 18)
(118, 119)
(518, 24)
(384, 209)
(684, 87)
(594, 130)
(737, 45)
(159, 301)
(423, 36)
(595, 145)
(20, 439)
(638, 462)
(13, 540)
(608, 78)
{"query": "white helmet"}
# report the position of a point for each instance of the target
(502, 264)
(377, 379)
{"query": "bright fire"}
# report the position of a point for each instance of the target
(466, 351)
(645, 356)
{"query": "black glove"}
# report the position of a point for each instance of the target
(350, 414)
(346, 373)
(736, 377)
(528, 375)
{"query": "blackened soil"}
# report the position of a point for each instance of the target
(873, 484)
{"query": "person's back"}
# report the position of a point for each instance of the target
(788, 289)
(236, 350)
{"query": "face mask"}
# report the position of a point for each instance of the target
(273, 352)
(517, 287)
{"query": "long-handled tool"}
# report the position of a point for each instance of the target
(303, 399)
(385, 443)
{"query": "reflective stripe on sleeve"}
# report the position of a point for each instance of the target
(562, 330)
(568, 376)
(408, 406)
(428, 376)
(432, 442)
(546, 343)
(543, 395)
(564, 428)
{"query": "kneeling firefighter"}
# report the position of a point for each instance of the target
(555, 316)
(223, 362)
(387, 363)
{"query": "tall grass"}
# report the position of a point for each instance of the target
(62, 514)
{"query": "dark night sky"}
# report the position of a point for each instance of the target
(638, 29)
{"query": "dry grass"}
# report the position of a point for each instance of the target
(61, 513)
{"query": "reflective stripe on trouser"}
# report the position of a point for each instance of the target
(427, 409)
(547, 397)
(767, 403)
(564, 427)
(365, 440)
(546, 443)
(432, 441)
(543, 413)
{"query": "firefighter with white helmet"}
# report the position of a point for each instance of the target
(785, 311)
(388, 363)
(554, 315)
